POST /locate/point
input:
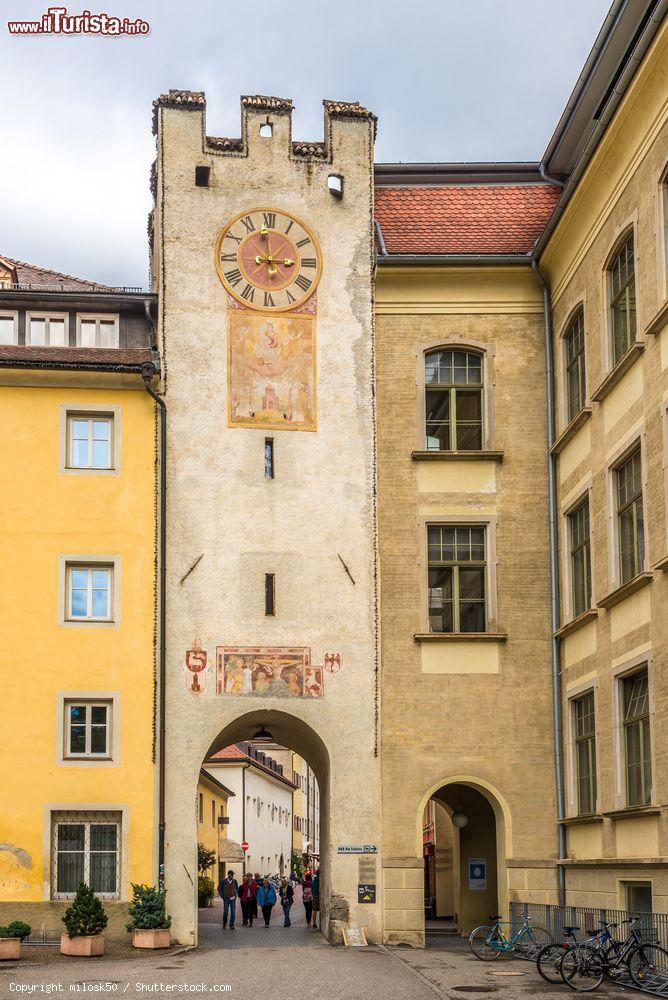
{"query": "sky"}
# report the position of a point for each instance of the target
(448, 79)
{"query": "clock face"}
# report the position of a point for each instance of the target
(268, 260)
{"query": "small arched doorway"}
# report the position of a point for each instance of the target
(463, 832)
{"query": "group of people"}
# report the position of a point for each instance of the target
(257, 893)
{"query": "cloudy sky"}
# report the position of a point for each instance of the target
(449, 80)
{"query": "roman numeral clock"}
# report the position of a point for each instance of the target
(270, 263)
(268, 260)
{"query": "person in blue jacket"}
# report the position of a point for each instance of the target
(266, 900)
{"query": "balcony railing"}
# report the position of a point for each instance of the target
(63, 286)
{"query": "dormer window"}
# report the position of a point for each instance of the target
(97, 331)
(46, 329)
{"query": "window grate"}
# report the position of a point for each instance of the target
(85, 847)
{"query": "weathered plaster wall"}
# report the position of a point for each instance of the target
(319, 506)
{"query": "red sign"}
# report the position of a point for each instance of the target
(245, 845)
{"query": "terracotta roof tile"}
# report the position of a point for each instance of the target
(41, 277)
(229, 753)
(464, 219)
(94, 358)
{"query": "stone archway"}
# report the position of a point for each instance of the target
(337, 773)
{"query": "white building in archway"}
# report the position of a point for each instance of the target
(260, 813)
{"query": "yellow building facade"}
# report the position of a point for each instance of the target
(611, 451)
(78, 599)
(212, 814)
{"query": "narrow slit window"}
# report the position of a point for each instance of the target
(202, 177)
(269, 594)
(268, 458)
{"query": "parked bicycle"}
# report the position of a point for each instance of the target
(585, 964)
(487, 942)
(549, 958)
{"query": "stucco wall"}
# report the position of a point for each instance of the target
(621, 192)
(319, 506)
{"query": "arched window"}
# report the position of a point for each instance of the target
(453, 398)
(622, 286)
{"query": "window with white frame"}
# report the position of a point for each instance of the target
(630, 516)
(637, 749)
(97, 331)
(8, 328)
(90, 592)
(88, 729)
(90, 441)
(86, 847)
(201, 808)
(44, 330)
(622, 285)
(584, 721)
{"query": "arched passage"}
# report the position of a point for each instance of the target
(291, 733)
(464, 833)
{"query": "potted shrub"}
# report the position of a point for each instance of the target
(11, 937)
(205, 891)
(206, 859)
(150, 923)
(84, 921)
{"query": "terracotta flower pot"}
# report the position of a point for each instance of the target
(9, 948)
(158, 938)
(82, 947)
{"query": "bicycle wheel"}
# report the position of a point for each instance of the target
(548, 962)
(583, 969)
(486, 943)
(531, 942)
(648, 966)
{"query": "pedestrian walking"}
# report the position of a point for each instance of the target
(315, 889)
(266, 900)
(287, 894)
(258, 882)
(307, 898)
(247, 894)
(228, 890)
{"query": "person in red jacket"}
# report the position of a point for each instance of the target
(247, 894)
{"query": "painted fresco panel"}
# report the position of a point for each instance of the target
(268, 671)
(271, 371)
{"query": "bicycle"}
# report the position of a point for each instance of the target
(584, 966)
(487, 942)
(549, 958)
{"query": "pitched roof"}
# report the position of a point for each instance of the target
(464, 218)
(42, 277)
(229, 753)
(234, 753)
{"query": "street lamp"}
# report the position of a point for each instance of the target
(263, 736)
(459, 817)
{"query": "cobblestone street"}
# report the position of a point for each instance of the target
(306, 968)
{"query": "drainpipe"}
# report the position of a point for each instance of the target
(147, 373)
(243, 814)
(554, 584)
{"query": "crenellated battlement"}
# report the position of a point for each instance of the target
(269, 113)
